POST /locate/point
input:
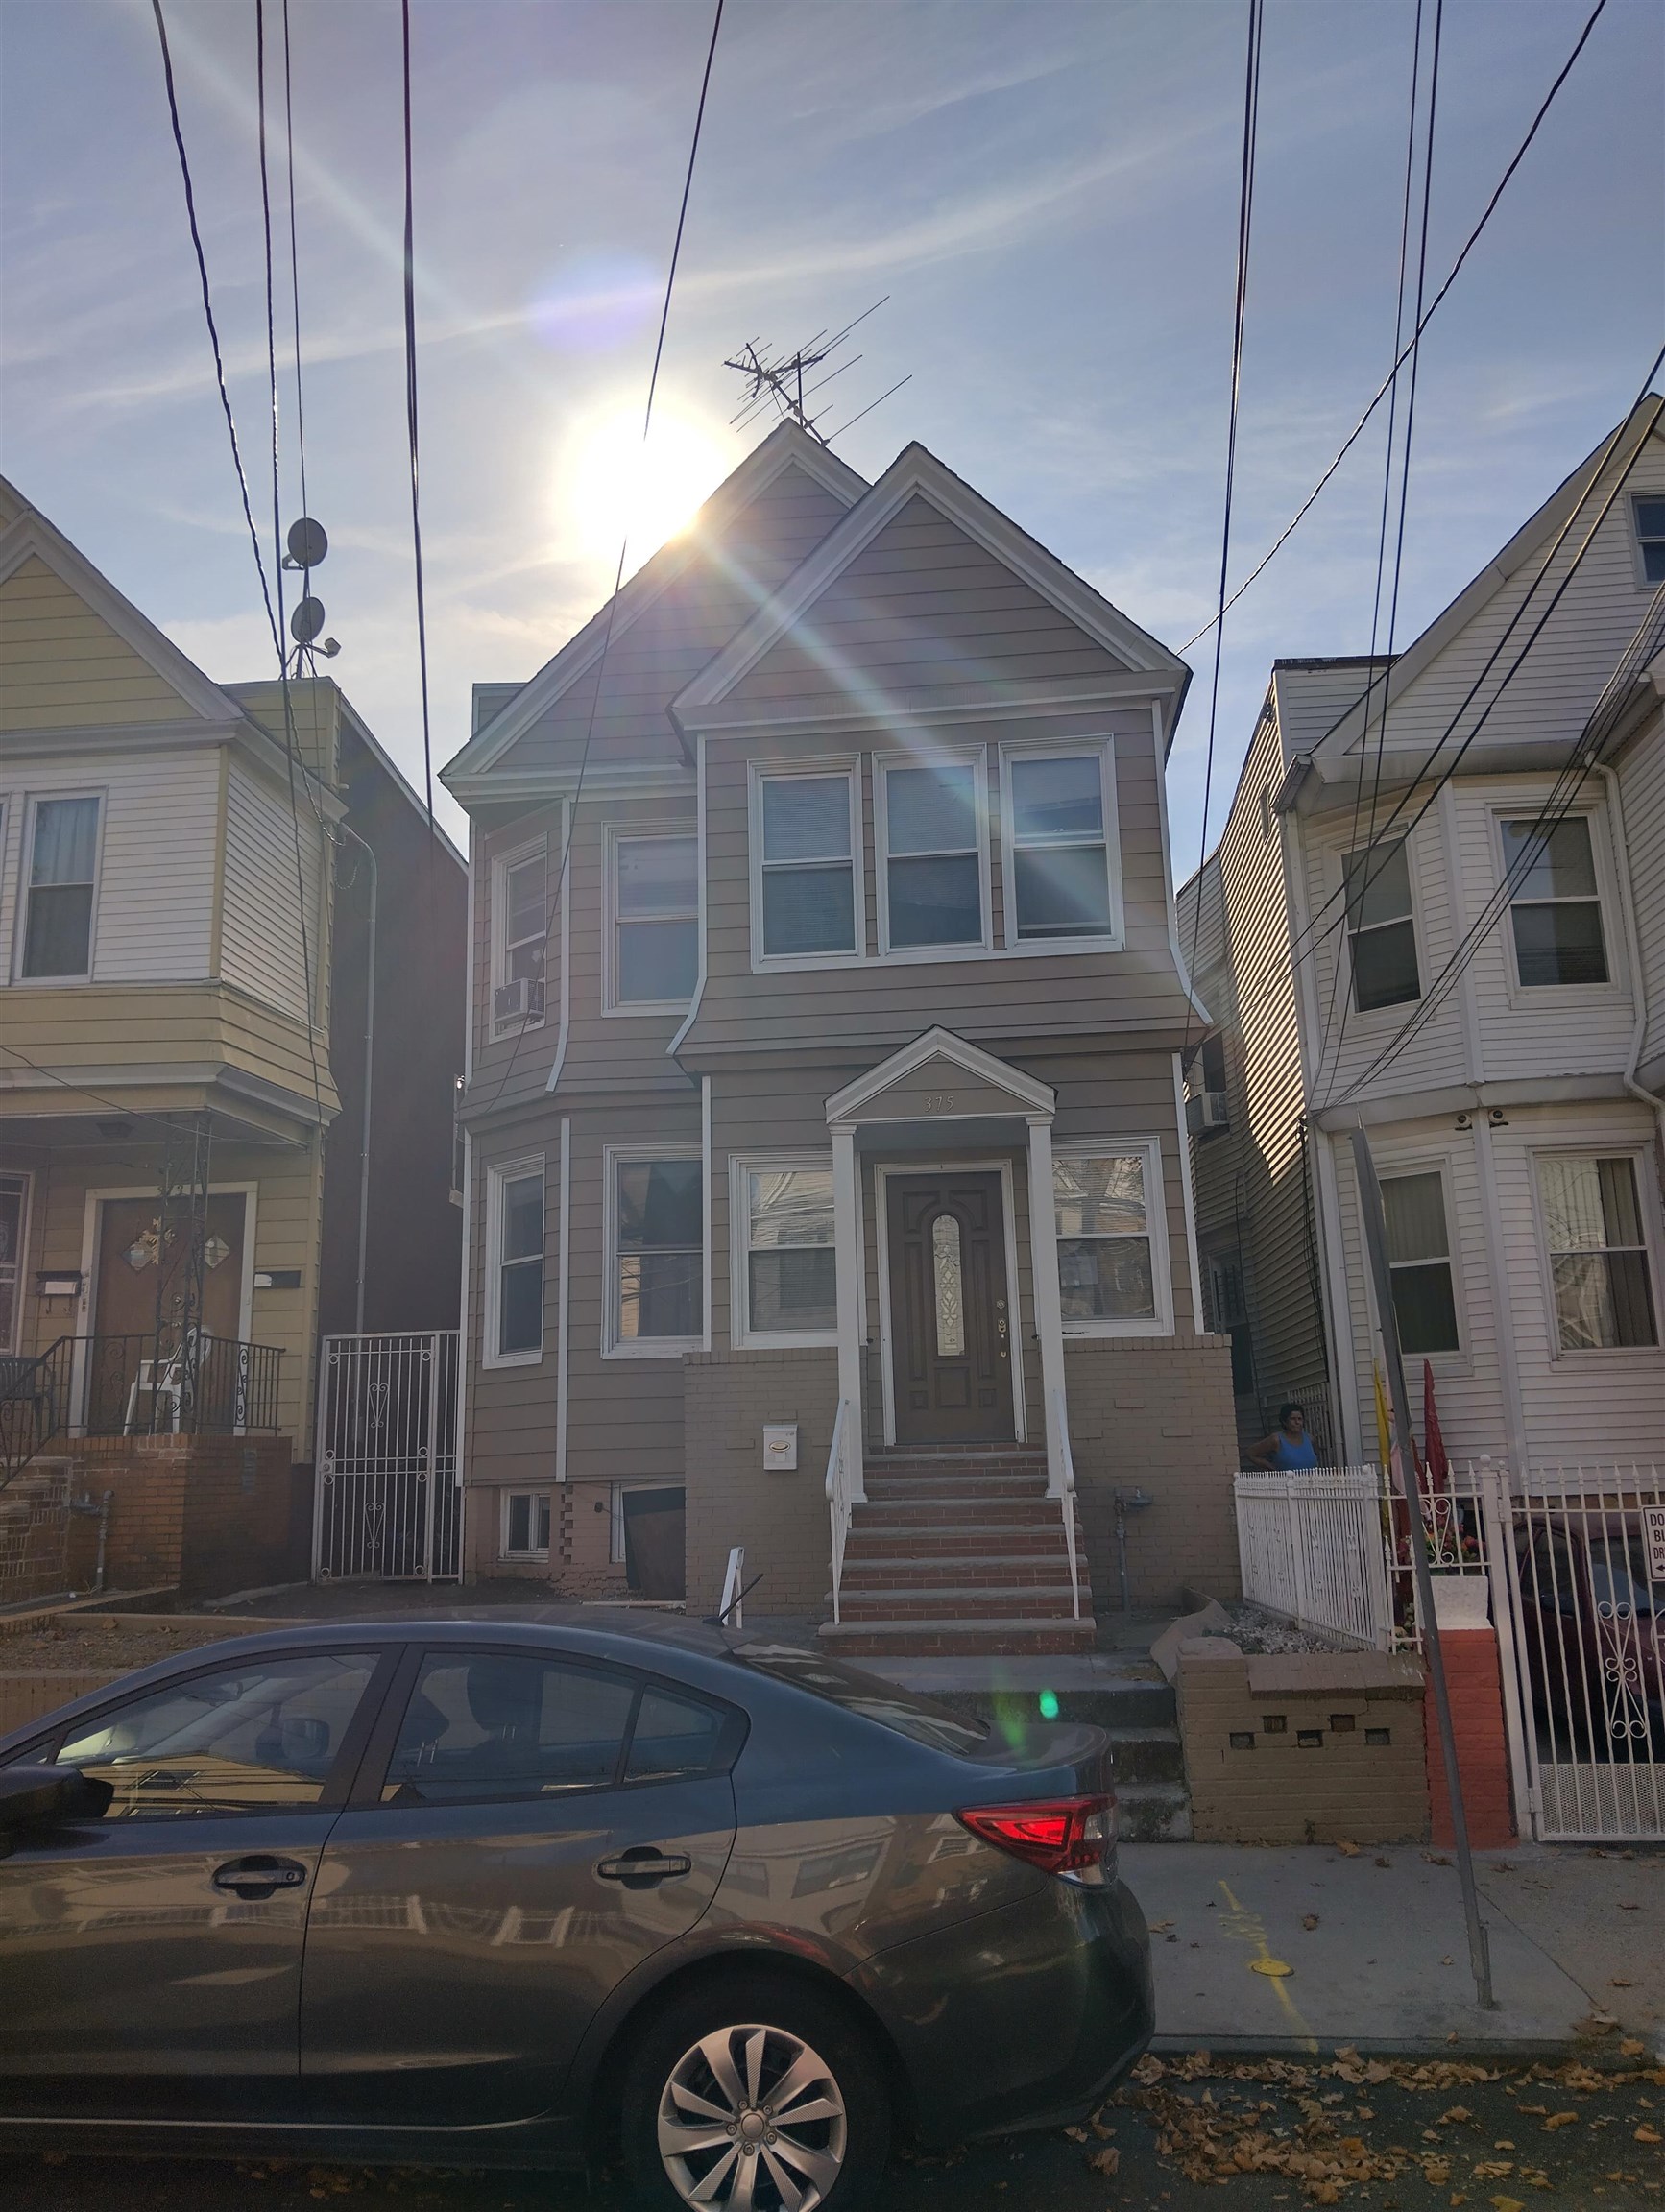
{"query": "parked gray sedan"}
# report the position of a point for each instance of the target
(476, 1893)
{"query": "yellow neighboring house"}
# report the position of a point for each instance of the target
(170, 872)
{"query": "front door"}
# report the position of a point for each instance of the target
(953, 1315)
(126, 1304)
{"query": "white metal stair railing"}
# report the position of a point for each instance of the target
(1067, 1501)
(840, 1499)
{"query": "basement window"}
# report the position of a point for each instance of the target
(526, 1525)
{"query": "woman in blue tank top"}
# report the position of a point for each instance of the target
(1288, 1445)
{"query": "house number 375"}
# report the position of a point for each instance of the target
(939, 1102)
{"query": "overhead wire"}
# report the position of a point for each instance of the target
(410, 404)
(552, 895)
(1469, 243)
(1245, 226)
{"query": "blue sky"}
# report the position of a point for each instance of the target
(1047, 191)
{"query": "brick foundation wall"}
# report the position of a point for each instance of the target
(1157, 1411)
(205, 1514)
(731, 1499)
(1344, 1758)
(1475, 1687)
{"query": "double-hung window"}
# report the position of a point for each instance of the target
(932, 830)
(516, 1249)
(1059, 882)
(803, 846)
(1419, 1262)
(654, 882)
(1380, 931)
(1555, 903)
(62, 870)
(13, 1215)
(1112, 1253)
(522, 931)
(786, 1267)
(1598, 1253)
(525, 1533)
(1650, 514)
(655, 1296)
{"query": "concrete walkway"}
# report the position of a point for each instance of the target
(1385, 1964)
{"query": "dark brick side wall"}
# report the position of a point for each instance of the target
(1157, 1412)
(733, 1498)
(204, 1514)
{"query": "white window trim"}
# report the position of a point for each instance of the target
(741, 1334)
(502, 863)
(25, 868)
(614, 834)
(535, 1550)
(1368, 1021)
(497, 1176)
(1156, 1219)
(1640, 570)
(615, 1522)
(975, 758)
(26, 1178)
(1114, 938)
(759, 772)
(613, 1345)
(1529, 995)
(1640, 1157)
(1441, 1164)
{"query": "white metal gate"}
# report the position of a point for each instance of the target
(1585, 1593)
(386, 1503)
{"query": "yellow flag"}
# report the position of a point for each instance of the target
(1383, 1431)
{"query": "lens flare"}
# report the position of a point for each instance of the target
(594, 302)
(612, 484)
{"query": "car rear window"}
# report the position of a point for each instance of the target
(920, 1718)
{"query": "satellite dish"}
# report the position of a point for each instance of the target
(307, 620)
(308, 542)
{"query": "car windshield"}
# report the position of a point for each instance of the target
(922, 1719)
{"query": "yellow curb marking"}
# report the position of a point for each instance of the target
(1245, 1926)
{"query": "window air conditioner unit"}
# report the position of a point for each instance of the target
(522, 1000)
(1206, 1111)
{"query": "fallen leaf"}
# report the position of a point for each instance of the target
(1346, 1849)
(1160, 1926)
(1647, 2134)
(1436, 1858)
(1452, 2037)
(1309, 1919)
(1104, 2161)
(1631, 2046)
(1077, 2134)
(1629, 1908)
(1446, 1960)
(1276, 1969)
(1621, 1981)
(1507, 2204)
(1559, 2120)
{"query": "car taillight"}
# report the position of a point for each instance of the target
(1070, 1836)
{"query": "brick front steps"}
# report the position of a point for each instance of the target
(959, 1551)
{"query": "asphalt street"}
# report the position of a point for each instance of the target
(1398, 2136)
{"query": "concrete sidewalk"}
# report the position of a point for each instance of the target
(1385, 1966)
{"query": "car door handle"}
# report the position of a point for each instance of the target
(642, 1866)
(260, 1876)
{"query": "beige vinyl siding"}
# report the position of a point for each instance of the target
(153, 902)
(1642, 797)
(618, 1050)
(863, 640)
(62, 666)
(261, 942)
(997, 996)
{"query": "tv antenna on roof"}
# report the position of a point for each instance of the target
(777, 380)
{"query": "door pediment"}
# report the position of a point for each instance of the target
(940, 1077)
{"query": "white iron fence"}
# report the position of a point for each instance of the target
(1569, 1567)
(386, 1503)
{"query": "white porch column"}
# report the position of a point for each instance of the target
(1048, 1313)
(847, 1242)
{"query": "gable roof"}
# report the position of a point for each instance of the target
(1029, 1095)
(29, 536)
(917, 473)
(785, 447)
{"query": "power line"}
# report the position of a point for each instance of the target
(552, 894)
(294, 260)
(1348, 443)
(1245, 223)
(208, 318)
(410, 406)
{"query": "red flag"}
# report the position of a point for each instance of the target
(1433, 1441)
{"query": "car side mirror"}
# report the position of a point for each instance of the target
(33, 1797)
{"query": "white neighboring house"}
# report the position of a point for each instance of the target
(1511, 1079)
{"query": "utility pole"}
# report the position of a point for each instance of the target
(1376, 1242)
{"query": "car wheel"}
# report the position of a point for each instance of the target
(755, 2095)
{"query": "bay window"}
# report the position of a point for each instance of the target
(785, 1269)
(1380, 929)
(653, 885)
(1554, 904)
(515, 1263)
(1419, 1262)
(656, 1254)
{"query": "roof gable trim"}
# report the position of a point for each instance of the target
(1028, 1095)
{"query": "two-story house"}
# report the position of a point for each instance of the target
(196, 883)
(825, 1119)
(1438, 909)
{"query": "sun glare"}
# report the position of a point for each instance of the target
(611, 482)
